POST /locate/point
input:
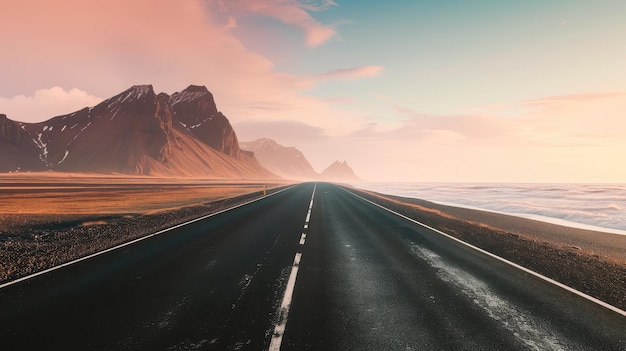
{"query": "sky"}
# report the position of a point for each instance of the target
(424, 91)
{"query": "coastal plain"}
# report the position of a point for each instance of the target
(48, 219)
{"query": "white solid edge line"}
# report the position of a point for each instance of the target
(135, 240)
(279, 329)
(538, 275)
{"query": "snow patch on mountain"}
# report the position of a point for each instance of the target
(64, 157)
(43, 147)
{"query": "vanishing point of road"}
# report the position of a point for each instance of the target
(313, 267)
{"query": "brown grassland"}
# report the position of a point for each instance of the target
(47, 219)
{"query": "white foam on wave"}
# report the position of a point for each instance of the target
(598, 207)
(540, 218)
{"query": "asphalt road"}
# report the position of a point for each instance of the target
(360, 278)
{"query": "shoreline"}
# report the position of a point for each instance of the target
(588, 261)
(535, 217)
(399, 190)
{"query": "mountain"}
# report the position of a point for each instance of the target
(195, 110)
(339, 171)
(290, 163)
(19, 150)
(135, 132)
(287, 162)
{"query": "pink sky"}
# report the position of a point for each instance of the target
(275, 70)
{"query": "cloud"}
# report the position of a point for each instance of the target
(167, 44)
(350, 73)
(46, 103)
(314, 5)
(231, 23)
(576, 115)
(477, 128)
(551, 101)
(290, 12)
(579, 137)
(159, 42)
(381, 96)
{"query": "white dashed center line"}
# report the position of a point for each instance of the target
(283, 312)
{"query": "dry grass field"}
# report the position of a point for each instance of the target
(47, 219)
(80, 195)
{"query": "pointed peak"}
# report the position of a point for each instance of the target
(191, 93)
(196, 89)
(141, 89)
(135, 92)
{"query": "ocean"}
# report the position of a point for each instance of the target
(600, 207)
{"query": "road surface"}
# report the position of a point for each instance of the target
(311, 268)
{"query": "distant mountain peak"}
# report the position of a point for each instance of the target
(285, 161)
(267, 143)
(339, 171)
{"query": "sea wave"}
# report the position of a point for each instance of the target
(600, 207)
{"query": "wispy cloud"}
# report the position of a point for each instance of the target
(318, 5)
(581, 137)
(291, 12)
(350, 73)
(572, 98)
(231, 23)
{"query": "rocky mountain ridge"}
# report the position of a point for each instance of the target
(135, 132)
(290, 163)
